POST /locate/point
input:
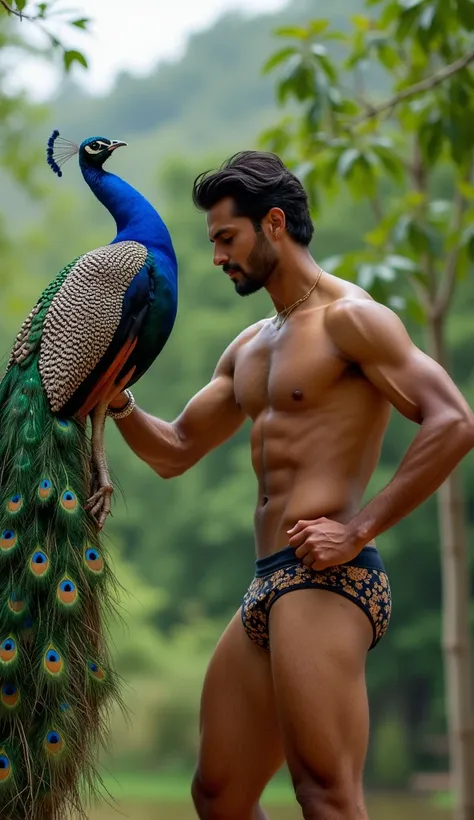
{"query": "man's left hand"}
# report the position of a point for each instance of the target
(322, 543)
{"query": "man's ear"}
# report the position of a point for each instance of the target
(276, 223)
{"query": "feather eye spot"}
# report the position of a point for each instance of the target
(67, 592)
(15, 503)
(39, 563)
(94, 560)
(8, 540)
(53, 742)
(8, 650)
(53, 661)
(63, 424)
(16, 604)
(69, 500)
(5, 767)
(45, 489)
(96, 671)
(10, 695)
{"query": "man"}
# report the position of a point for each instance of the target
(287, 680)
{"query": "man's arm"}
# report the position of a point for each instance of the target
(373, 337)
(210, 418)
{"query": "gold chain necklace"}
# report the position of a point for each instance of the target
(280, 319)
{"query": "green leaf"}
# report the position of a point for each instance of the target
(293, 31)
(388, 56)
(365, 276)
(278, 58)
(401, 263)
(391, 162)
(416, 311)
(465, 13)
(318, 26)
(20, 4)
(361, 22)
(427, 16)
(466, 189)
(409, 4)
(431, 136)
(346, 161)
(397, 303)
(82, 23)
(440, 210)
(71, 57)
(378, 237)
(467, 240)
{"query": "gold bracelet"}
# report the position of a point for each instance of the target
(122, 414)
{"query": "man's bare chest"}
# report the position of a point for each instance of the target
(286, 370)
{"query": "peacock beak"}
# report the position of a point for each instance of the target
(115, 144)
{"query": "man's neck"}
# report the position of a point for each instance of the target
(292, 278)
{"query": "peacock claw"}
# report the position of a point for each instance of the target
(98, 506)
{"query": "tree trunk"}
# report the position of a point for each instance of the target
(456, 633)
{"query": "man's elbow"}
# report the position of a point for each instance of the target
(170, 471)
(182, 461)
(459, 427)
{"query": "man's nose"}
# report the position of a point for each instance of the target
(220, 257)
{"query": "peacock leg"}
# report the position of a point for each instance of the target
(99, 504)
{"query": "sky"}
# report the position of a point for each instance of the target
(130, 35)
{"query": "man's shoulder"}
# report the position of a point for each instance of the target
(352, 307)
(250, 332)
(358, 324)
(228, 357)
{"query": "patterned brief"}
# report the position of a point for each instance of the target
(363, 581)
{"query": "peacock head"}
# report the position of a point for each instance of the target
(96, 150)
(93, 152)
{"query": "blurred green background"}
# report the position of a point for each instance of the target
(183, 549)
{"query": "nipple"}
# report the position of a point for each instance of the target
(297, 395)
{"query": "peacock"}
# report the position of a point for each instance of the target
(108, 311)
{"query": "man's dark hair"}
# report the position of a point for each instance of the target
(257, 181)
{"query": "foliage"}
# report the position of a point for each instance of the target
(409, 157)
(19, 156)
(42, 14)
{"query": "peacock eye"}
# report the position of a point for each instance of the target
(95, 146)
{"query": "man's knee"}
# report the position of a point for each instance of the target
(337, 800)
(214, 801)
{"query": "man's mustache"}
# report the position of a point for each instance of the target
(232, 269)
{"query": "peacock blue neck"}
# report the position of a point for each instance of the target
(135, 218)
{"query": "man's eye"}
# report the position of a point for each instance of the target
(227, 240)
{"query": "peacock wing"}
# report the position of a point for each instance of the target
(83, 317)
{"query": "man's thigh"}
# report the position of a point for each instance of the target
(319, 642)
(240, 746)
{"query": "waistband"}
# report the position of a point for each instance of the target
(368, 558)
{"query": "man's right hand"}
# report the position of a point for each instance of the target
(119, 402)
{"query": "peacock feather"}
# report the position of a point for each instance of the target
(112, 308)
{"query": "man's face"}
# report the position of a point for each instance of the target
(244, 253)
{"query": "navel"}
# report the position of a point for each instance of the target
(297, 395)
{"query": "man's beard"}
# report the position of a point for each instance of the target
(260, 265)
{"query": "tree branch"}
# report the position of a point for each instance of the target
(16, 12)
(417, 88)
(448, 283)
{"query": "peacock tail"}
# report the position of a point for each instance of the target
(56, 677)
(110, 310)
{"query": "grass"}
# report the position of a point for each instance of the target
(147, 788)
(175, 789)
